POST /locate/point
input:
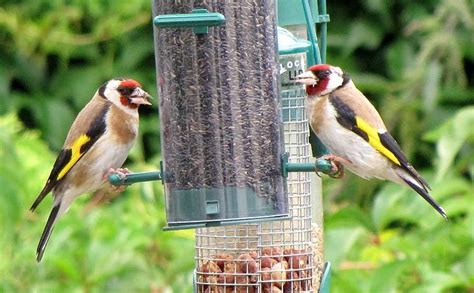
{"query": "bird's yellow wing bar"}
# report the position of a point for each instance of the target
(77, 151)
(375, 141)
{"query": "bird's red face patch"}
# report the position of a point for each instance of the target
(318, 88)
(130, 83)
(322, 72)
(319, 67)
(126, 88)
(126, 102)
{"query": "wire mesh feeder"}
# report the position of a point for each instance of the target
(278, 256)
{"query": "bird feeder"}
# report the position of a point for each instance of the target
(235, 144)
(277, 256)
(219, 114)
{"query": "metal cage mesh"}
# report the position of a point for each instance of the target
(277, 256)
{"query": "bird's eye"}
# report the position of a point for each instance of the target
(322, 74)
(125, 91)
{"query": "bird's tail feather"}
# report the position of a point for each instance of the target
(422, 190)
(48, 229)
(40, 198)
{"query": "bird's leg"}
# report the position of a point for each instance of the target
(121, 172)
(109, 191)
(337, 171)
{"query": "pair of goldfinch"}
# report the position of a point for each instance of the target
(97, 145)
(104, 131)
(352, 129)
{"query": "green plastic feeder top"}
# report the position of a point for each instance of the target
(289, 44)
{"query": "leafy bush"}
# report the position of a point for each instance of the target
(414, 59)
(419, 62)
(401, 243)
(116, 245)
(56, 55)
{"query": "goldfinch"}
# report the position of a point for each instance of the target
(98, 142)
(352, 129)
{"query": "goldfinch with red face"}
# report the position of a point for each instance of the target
(98, 142)
(352, 129)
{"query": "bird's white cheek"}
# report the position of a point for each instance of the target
(334, 82)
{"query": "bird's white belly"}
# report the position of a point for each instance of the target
(95, 164)
(363, 159)
(113, 157)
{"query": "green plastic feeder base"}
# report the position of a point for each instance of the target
(207, 207)
(180, 226)
(325, 286)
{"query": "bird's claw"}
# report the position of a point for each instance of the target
(122, 173)
(337, 171)
(337, 167)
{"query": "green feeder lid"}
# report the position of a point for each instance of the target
(289, 44)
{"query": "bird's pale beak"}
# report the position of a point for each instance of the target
(307, 78)
(140, 97)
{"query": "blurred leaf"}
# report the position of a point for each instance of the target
(382, 9)
(375, 250)
(468, 267)
(436, 281)
(372, 83)
(458, 131)
(385, 208)
(385, 277)
(53, 125)
(338, 242)
(350, 217)
(400, 56)
(431, 85)
(78, 84)
(451, 191)
(363, 33)
(354, 281)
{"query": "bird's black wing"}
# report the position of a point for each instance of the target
(382, 141)
(68, 157)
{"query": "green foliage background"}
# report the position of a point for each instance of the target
(414, 59)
